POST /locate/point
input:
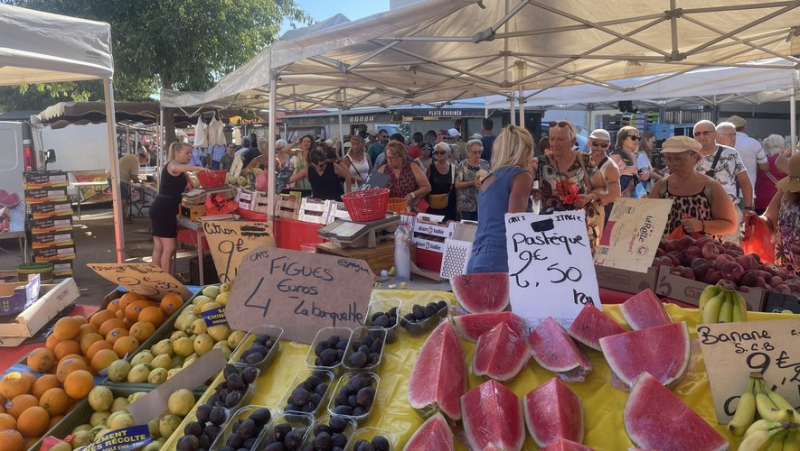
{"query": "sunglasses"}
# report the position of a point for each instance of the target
(562, 124)
(704, 133)
(633, 137)
(600, 144)
(440, 153)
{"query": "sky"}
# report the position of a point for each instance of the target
(353, 9)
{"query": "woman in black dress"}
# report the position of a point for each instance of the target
(164, 208)
(324, 176)
(442, 198)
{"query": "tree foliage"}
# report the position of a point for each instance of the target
(176, 44)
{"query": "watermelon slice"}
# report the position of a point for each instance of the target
(492, 417)
(563, 444)
(438, 378)
(433, 434)
(481, 293)
(662, 351)
(552, 411)
(644, 309)
(591, 325)
(500, 354)
(554, 350)
(471, 327)
(655, 418)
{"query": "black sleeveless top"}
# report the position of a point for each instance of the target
(171, 186)
(627, 182)
(326, 186)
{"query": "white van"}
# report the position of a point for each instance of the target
(17, 155)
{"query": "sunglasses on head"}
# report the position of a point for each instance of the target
(561, 124)
(600, 144)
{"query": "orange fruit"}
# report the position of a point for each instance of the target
(81, 319)
(14, 384)
(54, 421)
(134, 308)
(103, 359)
(125, 345)
(7, 421)
(75, 356)
(51, 342)
(42, 360)
(97, 346)
(16, 406)
(116, 334)
(153, 315)
(142, 330)
(55, 401)
(88, 340)
(66, 348)
(113, 306)
(127, 298)
(67, 328)
(33, 422)
(11, 440)
(78, 384)
(69, 365)
(100, 317)
(85, 330)
(44, 383)
(121, 314)
(171, 303)
(106, 327)
(30, 377)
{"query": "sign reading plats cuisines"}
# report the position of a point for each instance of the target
(146, 279)
(550, 266)
(301, 292)
(732, 351)
(230, 241)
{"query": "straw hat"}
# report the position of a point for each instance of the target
(791, 183)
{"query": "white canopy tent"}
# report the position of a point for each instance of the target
(37, 47)
(442, 50)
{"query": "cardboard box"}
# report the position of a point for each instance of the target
(46, 179)
(49, 225)
(49, 210)
(62, 269)
(778, 302)
(14, 296)
(430, 236)
(51, 239)
(52, 300)
(51, 254)
(688, 291)
(45, 195)
(624, 280)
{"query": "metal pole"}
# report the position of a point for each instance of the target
(511, 110)
(793, 110)
(521, 99)
(273, 87)
(111, 127)
(160, 147)
(341, 129)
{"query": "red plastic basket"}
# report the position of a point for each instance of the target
(367, 205)
(211, 179)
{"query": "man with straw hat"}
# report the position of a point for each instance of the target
(783, 218)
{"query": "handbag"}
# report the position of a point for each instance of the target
(440, 201)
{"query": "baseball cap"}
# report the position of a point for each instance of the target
(737, 121)
(453, 133)
(600, 134)
(443, 131)
(678, 144)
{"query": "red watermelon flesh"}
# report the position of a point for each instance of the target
(481, 293)
(438, 378)
(662, 351)
(552, 411)
(433, 434)
(563, 444)
(555, 351)
(643, 310)
(655, 418)
(492, 416)
(471, 327)
(591, 325)
(500, 354)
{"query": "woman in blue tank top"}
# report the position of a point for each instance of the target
(505, 190)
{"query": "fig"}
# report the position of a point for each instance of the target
(188, 443)
(322, 440)
(193, 428)
(261, 416)
(363, 445)
(202, 413)
(300, 396)
(419, 312)
(254, 358)
(357, 360)
(339, 440)
(381, 321)
(430, 310)
(247, 429)
(343, 410)
(217, 416)
(228, 370)
(276, 446)
(249, 375)
(235, 440)
(321, 389)
(294, 438)
(337, 424)
(328, 357)
(365, 396)
(233, 399)
(205, 442)
(235, 382)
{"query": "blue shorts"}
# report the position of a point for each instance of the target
(488, 258)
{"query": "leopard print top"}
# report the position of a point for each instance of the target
(696, 205)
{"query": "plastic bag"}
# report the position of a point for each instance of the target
(678, 232)
(758, 239)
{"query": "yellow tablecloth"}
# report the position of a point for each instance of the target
(603, 404)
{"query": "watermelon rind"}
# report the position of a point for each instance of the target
(591, 325)
(492, 416)
(663, 351)
(553, 411)
(439, 376)
(433, 434)
(555, 351)
(563, 444)
(656, 418)
(472, 326)
(500, 354)
(481, 292)
(643, 310)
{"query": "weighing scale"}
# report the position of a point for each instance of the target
(343, 233)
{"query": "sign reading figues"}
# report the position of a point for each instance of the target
(230, 241)
(550, 266)
(300, 292)
(734, 350)
(146, 279)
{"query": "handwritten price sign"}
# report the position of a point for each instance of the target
(550, 266)
(734, 350)
(146, 279)
(301, 292)
(230, 241)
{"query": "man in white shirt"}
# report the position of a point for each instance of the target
(750, 151)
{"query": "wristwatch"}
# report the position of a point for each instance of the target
(413, 196)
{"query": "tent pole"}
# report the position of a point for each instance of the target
(160, 146)
(341, 129)
(273, 88)
(521, 99)
(111, 127)
(793, 111)
(511, 110)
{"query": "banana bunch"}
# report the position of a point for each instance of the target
(778, 427)
(722, 305)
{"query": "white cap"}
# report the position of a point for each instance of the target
(454, 133)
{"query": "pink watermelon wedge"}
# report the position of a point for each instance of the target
(438, 378)
(644, 309)
(492, 417)
(433, 434)
(500, 354)
(481, 293)
(471, 327)
(563, 444)
(591, 325)
(655, 418)
(552, 411)
(662, 351)
(555, 351)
